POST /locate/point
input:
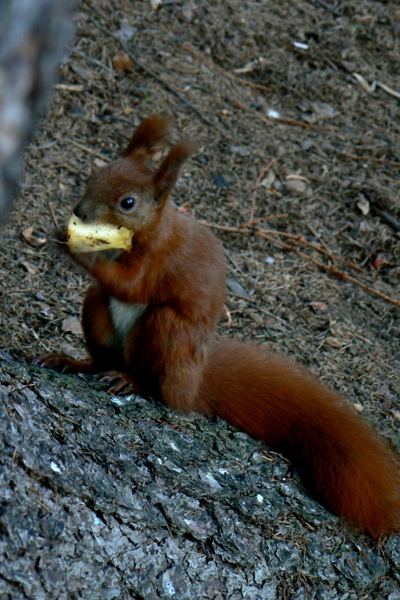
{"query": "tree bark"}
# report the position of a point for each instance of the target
(33, 37)
(123, 498)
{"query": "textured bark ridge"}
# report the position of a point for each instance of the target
(33, 36)
(123, 498)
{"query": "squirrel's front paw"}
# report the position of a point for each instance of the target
(87, 260)
(121, 384)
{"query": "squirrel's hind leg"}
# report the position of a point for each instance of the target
(167, 355)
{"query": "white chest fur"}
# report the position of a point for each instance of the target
(124, 316)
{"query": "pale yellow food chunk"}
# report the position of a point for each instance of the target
(92, 237)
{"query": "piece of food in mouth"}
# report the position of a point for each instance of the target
(93, 237)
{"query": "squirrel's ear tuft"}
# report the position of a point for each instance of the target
(168, 172)
(150, 137)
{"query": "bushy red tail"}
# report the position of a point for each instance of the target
(342, 461)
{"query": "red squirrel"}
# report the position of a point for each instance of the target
(150, 318)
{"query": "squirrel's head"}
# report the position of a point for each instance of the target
(130, 192)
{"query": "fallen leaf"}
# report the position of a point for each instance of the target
(379, 260)
(333, 342)
(363, 82)
(126, 32)
(248, 68)
(349, 65)
(320, 305)
(33, 238)
(269, 179)
(295, 176)
(363, 205)
(241, 150)
(296, 186)
(72, 325)
(30, 268)
(100, 163)
(320, 112)
(70, 350)
(122, 63)
(47, 313)
(236, 288)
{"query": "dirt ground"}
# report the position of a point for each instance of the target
(295, 108)
(325, 172)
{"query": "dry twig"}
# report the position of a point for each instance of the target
(328, 7)
(87, 150)
(301, 240)
(329, 253)
(269, 218)
(151, 73)
(381, 161)
(259, 179)
(330, 269)
(53, 214)
(212, 64)
(267, 119)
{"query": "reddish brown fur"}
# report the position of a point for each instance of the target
(150, 137)
(176, 269)
(341, 459)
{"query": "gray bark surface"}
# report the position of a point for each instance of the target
(33, 36)
(122, 498)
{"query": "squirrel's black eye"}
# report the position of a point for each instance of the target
(127, 203)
